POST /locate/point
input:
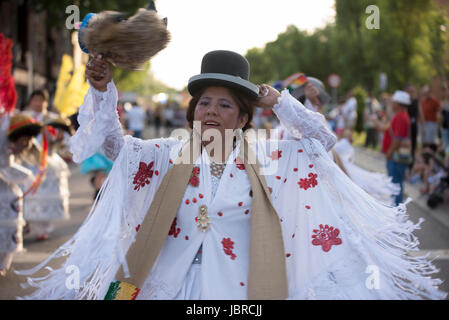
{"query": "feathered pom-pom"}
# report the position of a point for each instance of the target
(126, 43)
(8, 94)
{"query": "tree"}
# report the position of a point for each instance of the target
(412, 45)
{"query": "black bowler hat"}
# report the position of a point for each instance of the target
(224, 68)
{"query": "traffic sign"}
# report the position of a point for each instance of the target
(334, 80)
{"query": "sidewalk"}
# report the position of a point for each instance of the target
(374, 161)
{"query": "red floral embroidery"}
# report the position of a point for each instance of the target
(307, 207)
(242, 284)
(239, 163)
(251, 193)
(228, 245)
(295, 169)
(278, 177)
(306, 183)
(194, 200)
(187, 237)
(143, 175)
(173, 230)
(201, 196)
(300, 150)
(220, 214)
(156, 172)
(231, 175)
(187, 201)
(326, 237)
(137, 228)
(276, 155)
(194, 181)
(310, 166)
(288, 255)
(247, 211)
(240, 204)
(293, 235)
(157, 145)
(171, 161)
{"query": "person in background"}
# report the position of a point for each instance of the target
(429, 107)
(15, 137)
(415, 115)
(445, 119)
(397, 134)
(350, 111)
(157, 116)
(136, 120)
(370, 115)
(51, 200)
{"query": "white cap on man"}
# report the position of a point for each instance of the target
(402, 97)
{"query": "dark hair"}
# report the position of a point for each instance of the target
(42, 92)
(243, 102)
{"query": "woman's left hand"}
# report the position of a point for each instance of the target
(268, 97)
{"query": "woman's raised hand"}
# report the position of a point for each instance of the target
(99, 72)
(268, 97)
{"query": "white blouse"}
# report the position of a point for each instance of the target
(333, 231)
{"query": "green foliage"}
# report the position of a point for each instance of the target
(360, 95)
(410, 46)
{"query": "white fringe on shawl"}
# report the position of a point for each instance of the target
(96, 250)
(379, 235)
(378, 185)
(373, 233)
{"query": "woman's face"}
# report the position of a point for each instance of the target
(217, 109)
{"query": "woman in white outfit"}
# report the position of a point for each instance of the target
(258, 221)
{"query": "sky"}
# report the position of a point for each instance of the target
(200, 26)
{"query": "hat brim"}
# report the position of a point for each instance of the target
(300, 92)
(203, 80)
(62, 126)
(29, 130)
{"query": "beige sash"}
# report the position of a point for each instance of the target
(267, 277)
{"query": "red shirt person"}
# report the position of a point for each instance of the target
(429, 109)
(395, 134)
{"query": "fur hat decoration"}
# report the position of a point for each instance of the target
(126, 42)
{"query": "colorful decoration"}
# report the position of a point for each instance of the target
(73, 95)
(143, 175)
(194, 181)
(294, 81)
(8, 94)
(306, 183)
(202, 220)
(42, 165)
(228, 245)
(174, 231)
(119, 290)
(326, 237)
(65, 74)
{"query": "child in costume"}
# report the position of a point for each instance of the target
(15, 137)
